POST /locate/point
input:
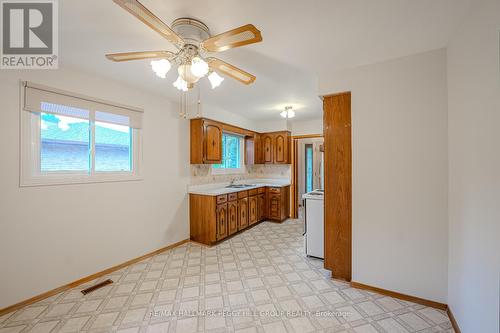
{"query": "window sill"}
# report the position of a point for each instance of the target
(72, 179)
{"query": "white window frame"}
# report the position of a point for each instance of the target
(30, 174)
(233, 171)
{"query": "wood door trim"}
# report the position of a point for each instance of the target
(338, 185)
(294, 195)
(454, 322)
(404, 297)
(86, 279)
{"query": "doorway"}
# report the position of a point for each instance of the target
(307, 169)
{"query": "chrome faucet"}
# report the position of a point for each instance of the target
(233, 181)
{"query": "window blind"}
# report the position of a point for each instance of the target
(40, 99)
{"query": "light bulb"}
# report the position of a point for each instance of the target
(161, 67)
(199, 67)
(291, 113)
(215, 79)
(283, 114)
(181, 84)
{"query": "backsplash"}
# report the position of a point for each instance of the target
(202, 173)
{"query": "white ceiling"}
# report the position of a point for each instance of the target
(303, 40)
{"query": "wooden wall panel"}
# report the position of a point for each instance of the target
(338, 185)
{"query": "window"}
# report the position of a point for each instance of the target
(74, 139)
(232, 155)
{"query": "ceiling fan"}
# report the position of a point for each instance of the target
(194, 44)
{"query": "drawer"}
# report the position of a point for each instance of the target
(242, 194)
(232, 196)
(221, 199)
(261, 190)
(253, 192)
(274, 190)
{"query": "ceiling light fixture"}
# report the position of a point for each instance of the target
(161, 67)
(215, 79)
(288, 112)
(199, 67)
(181, 84)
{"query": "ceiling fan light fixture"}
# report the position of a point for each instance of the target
(161, 67)
(181, 84)
(199, 67)
(215, 79)
(186, 73)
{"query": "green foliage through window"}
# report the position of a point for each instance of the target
(231, 154)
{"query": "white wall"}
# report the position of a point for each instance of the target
(52, 235)
(306, 127)
(399, 137)
(474, 163)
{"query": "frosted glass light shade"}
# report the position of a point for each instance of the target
(215, 79)
(199, 67)
(161, 67)
(181, 84)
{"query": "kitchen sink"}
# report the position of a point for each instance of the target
(239, 186)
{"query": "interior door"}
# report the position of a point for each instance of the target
(267, 145)
(222, 221)
(213, 144)
(242, 213)
(232, 217)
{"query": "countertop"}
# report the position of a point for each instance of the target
(220, 188)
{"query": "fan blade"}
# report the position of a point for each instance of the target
(229, 70)
(244, 35)
(135, 8)
(118, 57)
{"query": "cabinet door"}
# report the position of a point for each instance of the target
(222, 221)
(280, 148)
(267, 145)
(274, 206)
(252, 210)
(213, 144)
(258, 149)
(262, 207)
(232, 217)
(242, 213)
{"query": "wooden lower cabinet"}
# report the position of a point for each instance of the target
(253, 210)
(222, 225)
(232, 217)
(278, 203)
(242, 213)
(214, 218)
(261, 205)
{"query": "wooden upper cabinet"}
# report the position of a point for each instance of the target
(276, 147)
(265, 148)
(267, 145)
(280, 148)
(206, 142)
(213, 143)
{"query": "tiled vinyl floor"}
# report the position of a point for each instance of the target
(261, 278)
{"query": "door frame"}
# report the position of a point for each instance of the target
(337, 125)
(294, 190)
